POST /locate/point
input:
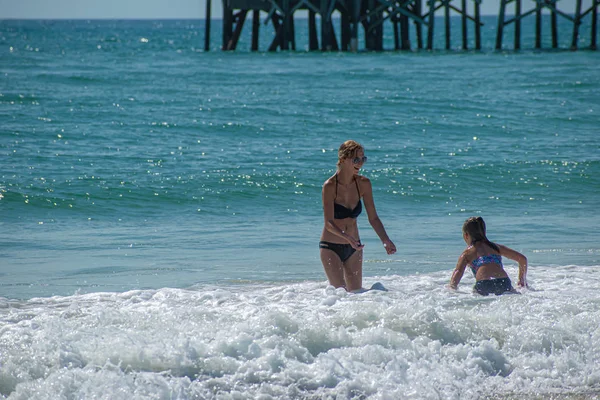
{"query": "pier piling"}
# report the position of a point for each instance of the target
(207, 26)
(594, 29)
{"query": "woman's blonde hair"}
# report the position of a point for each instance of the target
(347, 150)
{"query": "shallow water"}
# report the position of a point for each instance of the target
(418, 340)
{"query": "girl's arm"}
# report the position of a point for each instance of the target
(459, 270)
(518, 257)
(367, 193)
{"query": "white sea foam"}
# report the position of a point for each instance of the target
(305, 341)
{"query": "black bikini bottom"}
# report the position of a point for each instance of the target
(495, 286)
(344, 251)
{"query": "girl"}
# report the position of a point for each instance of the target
(340, 246)
(485, 259)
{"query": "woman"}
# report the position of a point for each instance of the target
(485, 259)
(340, 246)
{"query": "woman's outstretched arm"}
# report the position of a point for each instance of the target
(367, 193)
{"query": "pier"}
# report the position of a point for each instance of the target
(372, 15)
(552, 7)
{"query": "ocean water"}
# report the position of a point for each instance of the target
(160, 212)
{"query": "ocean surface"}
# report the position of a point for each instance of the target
(160, 211)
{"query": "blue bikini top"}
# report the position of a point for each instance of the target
(341, 212)
(487, 259)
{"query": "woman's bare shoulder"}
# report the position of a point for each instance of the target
(330, 180)
(363, 181)
(329, 183)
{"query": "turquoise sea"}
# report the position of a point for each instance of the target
(160, 211)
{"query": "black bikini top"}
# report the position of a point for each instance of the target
(341, 212)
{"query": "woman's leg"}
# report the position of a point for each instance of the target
(334, 268)
(353, 271)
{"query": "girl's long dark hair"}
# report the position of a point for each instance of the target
(475, 227)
